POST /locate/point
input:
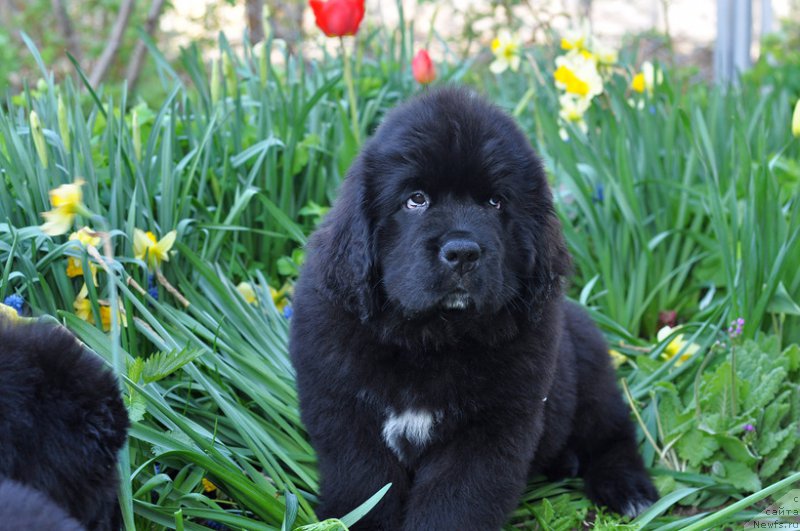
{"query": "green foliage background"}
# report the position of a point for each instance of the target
(689, 204)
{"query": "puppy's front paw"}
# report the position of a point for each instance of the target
(625, 492)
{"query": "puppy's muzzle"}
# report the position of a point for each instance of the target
(461, 255)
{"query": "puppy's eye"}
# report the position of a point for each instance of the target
(496, 202)
(417, 200)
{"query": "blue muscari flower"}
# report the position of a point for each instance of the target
(599, 193)
(652, 109)
(215, 525)
(287, 312)
(151, 281)
(15, 301)
(153, 292)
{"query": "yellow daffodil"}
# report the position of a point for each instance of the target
(208, 486)
(279, 297)
(145, 246)
(105, 316)
(247, 292)
(576, 38)
(571, 111)
(573, 108)
(66, 201)
(74, 267)
(647, 79)
(85, 237)
(617, 358)
(605, 55)
(577, 74)
(8, 313)
(83, 309)
(796, 120)
(505, 48)
(675, 346)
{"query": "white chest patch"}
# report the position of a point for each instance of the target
(414, 426)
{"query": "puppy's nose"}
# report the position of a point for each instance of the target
(461, 255)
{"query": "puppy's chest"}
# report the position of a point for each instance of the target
(409, 432)
(408, 427)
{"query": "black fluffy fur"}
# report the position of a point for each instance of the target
(23, 508)
(513, 381)
(62, 421)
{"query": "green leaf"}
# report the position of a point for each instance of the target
(358, 513)
(162, 364)
(290, 514)
(782, 303)
(736, 449)
(137, 406)
(741, 476)
(696, 447)
(778, 455)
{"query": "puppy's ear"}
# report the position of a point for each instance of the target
(341, 251)
(551, 262)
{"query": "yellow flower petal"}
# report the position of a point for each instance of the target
(638, 83)
(141, 243)
(74, 267)
(86, 236)
(796, 120)
(279, 298)
(67, 195)
(57, 221)
(155, 252)
(247, 292)
(83, 307)
(66, 201)
(8, 313)
(675, 346)
(617, 358)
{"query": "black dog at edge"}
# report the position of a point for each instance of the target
(433, 346)
(62, 425)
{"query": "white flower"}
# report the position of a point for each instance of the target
(647, 79)
(505, 48)
(577, 74)
(576, 38)
(605, 55)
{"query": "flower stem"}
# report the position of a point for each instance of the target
(351, 91)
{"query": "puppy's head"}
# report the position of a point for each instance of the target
(446, 214)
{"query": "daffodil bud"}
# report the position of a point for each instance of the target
(796, 120)
(38, 138)
(216, 81)
(63, 124)
(137, 135)
(260, 51)
(229, 72)
(266, 26)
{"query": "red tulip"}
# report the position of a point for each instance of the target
(337, 18)
(422, 68)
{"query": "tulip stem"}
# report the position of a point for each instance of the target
(351, 91)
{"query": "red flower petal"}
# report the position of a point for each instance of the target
(422, 68)
(337, 18)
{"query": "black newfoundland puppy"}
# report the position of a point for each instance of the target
(62, 424)
(433, 347)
